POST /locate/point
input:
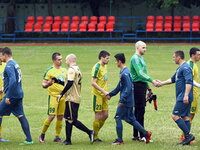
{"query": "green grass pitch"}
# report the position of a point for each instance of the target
(34, 60)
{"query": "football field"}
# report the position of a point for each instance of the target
(34, 60)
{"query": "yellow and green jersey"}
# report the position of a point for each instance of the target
(2, 67)
(55, 89)
(100, 73)
(195, 73)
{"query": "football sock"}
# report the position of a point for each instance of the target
(96, 128)
(25, 127)
(58, 127)
(187, 122)
(140, 128)
(46, 124)
(181, 124)
(119, 128)
(0, 126)
(68, 131)
(101, 121)
(81, 126)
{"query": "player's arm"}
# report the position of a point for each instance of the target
(46, 83)
(96, 86)
(115, 91)
(196, 84)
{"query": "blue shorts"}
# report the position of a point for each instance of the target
(15, 107)
(125, 113)
(181, 109)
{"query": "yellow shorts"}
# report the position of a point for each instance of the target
(54, 107)
(100, 103)
(194, 108)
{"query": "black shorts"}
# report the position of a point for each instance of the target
(71, 110)
(140, 89)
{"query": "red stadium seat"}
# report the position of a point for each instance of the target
(159, 26)
(101, 27)
(109, 27)
(66, 19)
(150, 19)
(149, 27)
(58, 19)
(111, 19)
(195, 27)
(167, 27)
(177, 19)
(84, 19)
(56, 27)
(47, 27)
(93, 19)
(40, 20)
(186, 19)
(37, 27)
(75, 19)
(91, 27)
(186, 26)
(49, 19)
(177, 26)
(159, 19)
(102, 19)
(195, 19)
(74, 27)
(30, 19)
(28, 27)
(168, 19)
(64, 27)
(83, 27)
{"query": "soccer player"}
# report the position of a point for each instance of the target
(125, 109)
(72, 94)
(2, 66)
(99, 88)
(12, 100)
(53, 80)
(194, 58)
(183, 78)
(140, 80)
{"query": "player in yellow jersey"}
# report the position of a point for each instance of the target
(72, 94)
(99, 88)
(194, 58)
(54, 80)
(2, 66)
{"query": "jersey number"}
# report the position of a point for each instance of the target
(19, 75)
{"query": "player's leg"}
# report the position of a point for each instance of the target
(52, 107)
(60, 115)
(104, 112)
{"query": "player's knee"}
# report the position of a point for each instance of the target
(51, 117)
(60, 117)
(175, 117)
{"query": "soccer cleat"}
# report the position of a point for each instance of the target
(135, 138)
(148, 136)
(116, 142)
(66, 143)
(57, 139)
(3, 140)
(41, 138)
(98, 140)
(91, 136)
(188, 139)
(26, 143)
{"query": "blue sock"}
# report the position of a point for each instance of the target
(140, 128)
(25, 127)
(119, 129)
(187, 122)
(182, 125)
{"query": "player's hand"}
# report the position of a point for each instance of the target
(105, 93)
(185, 99)
(120, 104)
(58, 98)
(54, 80)
(108, 96)
(7, 101)
(1, 91)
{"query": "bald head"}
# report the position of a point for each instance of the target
(70, 59)
(140, 47)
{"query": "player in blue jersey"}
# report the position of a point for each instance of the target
(12, 100)
(183, 78)
(125, 109)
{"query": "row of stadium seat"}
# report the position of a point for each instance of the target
(161, 23)
(67, 19)
(73, 27)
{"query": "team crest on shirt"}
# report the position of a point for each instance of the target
(105, 77)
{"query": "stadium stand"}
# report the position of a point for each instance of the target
(58, 19)
(40, 20)
(91, 27)
(84, 19)
(75, 20)
(102, 19)
(37, 27)
(83, 27)
(49, 19)
(56, 27)
(64, 27)
(66, 19)
(111, 19)
(168, 27)
(46, 27)
(101, 27)
(109, 27)
(30, 19)
(195, 26)
(29, 27)
(93, 19)
(74, 27)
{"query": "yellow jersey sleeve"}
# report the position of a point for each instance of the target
(47, 74)
(95, 70)
(71, 74)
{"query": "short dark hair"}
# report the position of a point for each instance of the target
(54, 55)
(103, 54)
(193, 51)
(7, 50)
(120, 57)
(179, 53)
(1, 48)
